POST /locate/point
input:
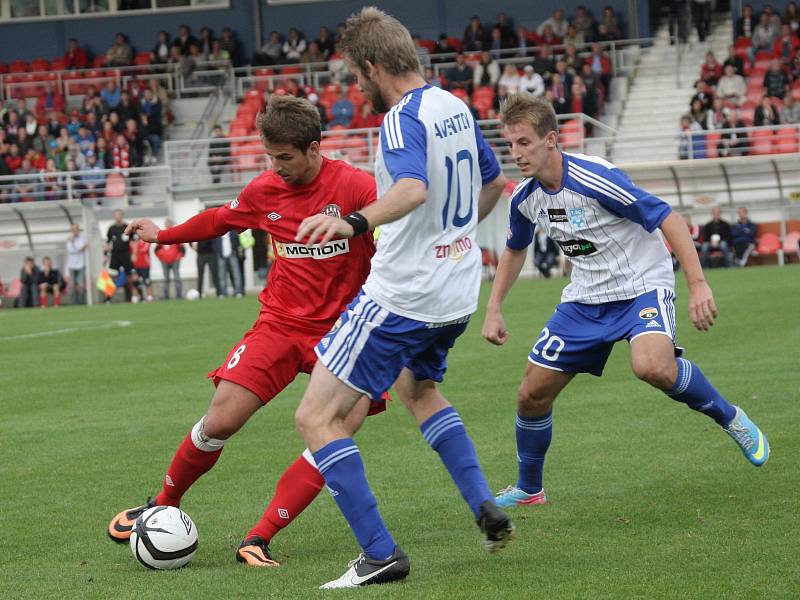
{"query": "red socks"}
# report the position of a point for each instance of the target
(57, 301)
(43, 301)
(188, 464)
(296, 489)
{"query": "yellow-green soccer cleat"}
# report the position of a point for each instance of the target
(753, 443)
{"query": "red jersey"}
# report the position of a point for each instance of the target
(308, 286)
(140, 251)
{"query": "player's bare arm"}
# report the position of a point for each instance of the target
(702, 309)
(403, 197)
(144, 228)
(489, 195)
(508, 270)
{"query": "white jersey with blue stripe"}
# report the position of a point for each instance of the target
(427, 265)
(606, 226)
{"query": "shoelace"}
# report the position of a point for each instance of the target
(358, 559)
(742, 435)
(507, 490)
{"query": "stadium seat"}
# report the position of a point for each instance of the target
(755, 93)
(13, 290)
(99, 61)
(460, 93)
(712, 141)
(768, 244)
(40, 64)
(115, 185)
(570, 134)
(58, 64)
(291, 70)
(791, 246)
(18, 66)
(455, 43)
(761, 142)
(785, 141)
(482, 100)
(429, 45)
(3, 68)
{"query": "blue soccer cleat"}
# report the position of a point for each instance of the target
(513, 496)
(753, 443)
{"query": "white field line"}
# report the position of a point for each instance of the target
(85, 326)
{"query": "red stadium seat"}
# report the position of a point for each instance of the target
(40, 64)
(761, 141)
(571, 134)
(769, 243)
(455, 43)
(3, 68)
(712, 139)
(115, 185)
(99, 61)
(482, 100)
(785, 141)
(460, 93)
(429, 45)
(18, 66)
(58, 64)
(791, 245)
(291, 70)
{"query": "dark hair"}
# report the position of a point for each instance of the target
(290, 120)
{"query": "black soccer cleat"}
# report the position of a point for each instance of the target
(254, 551)
(121, 525)
(495, 525)
(367, 571)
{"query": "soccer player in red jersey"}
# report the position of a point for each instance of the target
(307, 290)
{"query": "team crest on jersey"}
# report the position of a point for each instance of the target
(332, 210)
(577, 217)
(648, 313)
(234, 203)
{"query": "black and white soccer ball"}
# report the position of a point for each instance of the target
(164, 537)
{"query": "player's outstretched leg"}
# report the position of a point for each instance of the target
(653, 360)
(534, 431)
(296, 489)
(230, 408)
(443, 429)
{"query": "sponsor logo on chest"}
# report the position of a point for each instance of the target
(317, 252)
(556, 215)
(574, 248)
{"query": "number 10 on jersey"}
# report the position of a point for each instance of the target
(461, 187)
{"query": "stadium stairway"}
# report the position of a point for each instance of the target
(660, 92)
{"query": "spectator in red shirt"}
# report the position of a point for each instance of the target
(120, 153)
(140, 256)
(711, 70)
(75, 56)
(170, 256)
(366, 118)
(50, 100)
(786, 44)
(13, 159)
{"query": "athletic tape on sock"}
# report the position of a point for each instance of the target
(202, 441)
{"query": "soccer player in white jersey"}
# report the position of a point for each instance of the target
(436, 178)
(622, 288)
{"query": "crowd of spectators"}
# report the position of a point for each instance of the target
(758, 84)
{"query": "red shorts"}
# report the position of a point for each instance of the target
(268, 358)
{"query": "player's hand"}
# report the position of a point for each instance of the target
(144, 228)
(321, 229)
(494, 329)
(702, 309)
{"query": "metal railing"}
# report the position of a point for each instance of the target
(143, 186)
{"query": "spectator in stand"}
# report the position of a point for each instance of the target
(231, 45)
(121, 154)
(152, 124)
(315, 56)
(23, 141)
(577, 97)
(204, 43)
(557, 23)
(76, 264)
(13, 158)
(271, 52)
(30, 125)
(711, 70)
(743, 234)
(549, 37)
(50, 282)
(561, 95)
(774, 17)
(510, 78)
(74, 123)
(109, 131)
(509, 38)
(323, 114)
(184, 40)
(135, 139)
(160, 53)
(442, 47)
(460, 76)
(566, 76)
(715, 116)
(85, 139)
(792, 17)
(53, 125)
(50, 100)
(422, 51)
(94, 179)
(184, 63)
(120, 54)
(432, 78)
(592, 84)
(487, 72)
(170, 256)
(104, 156)
(118, 251)
(140, 257)
(698, 113)
(766, 114)
(584, 23)
(474, 35)
(735, 60)
(293, 88)
(790, 111)
(218, 53)
(29, 278)
(111, 95)
(13, 125)
(41, 139)
(294, 46)
(545, 252)
(522, 42)
(497, 102)
(716, 236)
(75, 56)
(218, 154)
(611, 22)
(703, 94)
(22, 109)
(74, 153)
(601, 65)
(688, 139)
(733, 143)
(764, 34)
(496, 43)
(746, 24)
(602, 34)
(574, 62)
(731, 86)
(366, 118)
(574, 37)
(208, 255)
(126, 109)
(701, 14)
(342, 111)
(26, 185)
(325, 42)
(337, 66)
(785, 45)
(531, 82)
(229, 264)
(776, 82)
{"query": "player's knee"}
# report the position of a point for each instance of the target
(306, 420)
(206, 436)
(533, 401)
(659, 374)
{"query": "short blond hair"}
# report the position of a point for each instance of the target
(290, 120)
(526, 108)
(374, 36)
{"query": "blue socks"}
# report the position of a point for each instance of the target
(693, 389)
(445, 433)
(533, 440)
(341, 466)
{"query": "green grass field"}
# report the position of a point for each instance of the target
(647, 498)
